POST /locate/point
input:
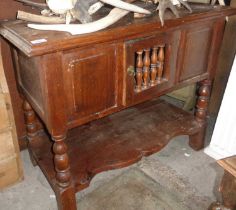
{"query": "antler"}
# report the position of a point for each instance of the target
(126, 6)
(39, 18)
(115, 15)
(164, 4)
(79, 8)
(75, 29)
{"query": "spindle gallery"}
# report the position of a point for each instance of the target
(149, 67)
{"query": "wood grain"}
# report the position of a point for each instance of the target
(72, 80)
(10, 162)
(117, 140)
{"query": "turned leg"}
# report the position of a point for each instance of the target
(228, 192)
(196, 141)
(65, 193)
(31, 127)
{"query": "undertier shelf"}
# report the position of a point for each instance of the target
(116, 141)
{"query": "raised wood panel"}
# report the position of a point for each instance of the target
(90, 81)
(196, 52)
(29, 80)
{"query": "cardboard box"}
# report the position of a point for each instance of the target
(4, 119)
(9, 172)
(10, 162)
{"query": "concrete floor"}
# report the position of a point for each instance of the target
(193, 176)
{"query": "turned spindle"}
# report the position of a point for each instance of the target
(31, 127)
(30, 120)
(61, 161)
(203, 100)
(139, 69)
(161, 57)
(153, 66)
(146, 68)
(196, 141)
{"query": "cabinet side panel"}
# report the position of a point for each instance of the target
(197, 46)
(29, 81)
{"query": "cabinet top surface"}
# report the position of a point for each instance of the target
(44, 42)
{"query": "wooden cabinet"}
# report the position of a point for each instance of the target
(71, 80)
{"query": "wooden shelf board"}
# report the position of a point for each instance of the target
(117, 140)
(229, 164)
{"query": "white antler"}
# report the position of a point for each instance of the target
(126, 6)
(122, 9)
(60, 6)
(75, 29)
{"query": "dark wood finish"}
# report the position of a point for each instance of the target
(122, 136)
(72, 80)
(61, 161)
(139, 69)
(228, 190)
(228, 183)
(31, 126)
(8, 10)
(226, 58)
(160, 61)
(153, 80)
(227, 186)
(30, 121)
(197, 140)
(91, 69)
(146, 68)
(163, 71)
(147, 74)
(203, 99)
(197, 44)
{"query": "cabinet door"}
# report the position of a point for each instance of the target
(91, 77)
(150, 66)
